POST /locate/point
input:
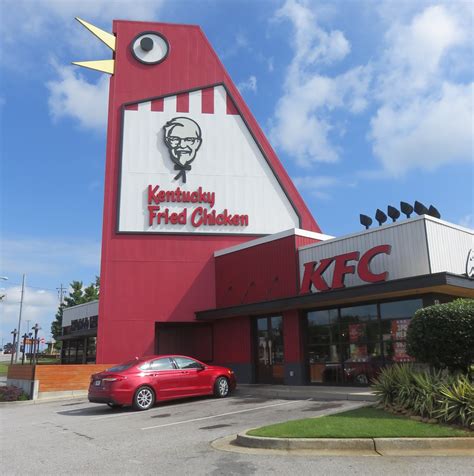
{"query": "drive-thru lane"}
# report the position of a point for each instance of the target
(75, 437)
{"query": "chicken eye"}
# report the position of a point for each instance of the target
(150, 47)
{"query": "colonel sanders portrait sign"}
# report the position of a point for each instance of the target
(183, 139)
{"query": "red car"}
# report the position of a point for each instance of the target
(142, 381)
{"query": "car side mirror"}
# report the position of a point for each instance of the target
(201, 368)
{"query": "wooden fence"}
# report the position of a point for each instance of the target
(57, 378)
(20, 372)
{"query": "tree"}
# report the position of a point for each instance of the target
(443, 335)
(8, 348)
(77, 295)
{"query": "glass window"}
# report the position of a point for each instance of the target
(161, 364)
(353, 347)
(359, 324)
(322, 327)
(396, 318)
(185, 363)
(80, 351)
(91, 348)
(124, 366)
(262, 324)
(400, 309)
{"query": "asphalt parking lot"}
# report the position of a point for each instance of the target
(76, 437)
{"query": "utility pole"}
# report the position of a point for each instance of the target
(61, 293)
(19, 318)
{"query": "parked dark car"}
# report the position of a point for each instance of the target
(143, 381)
(352, 372)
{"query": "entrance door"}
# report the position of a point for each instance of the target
(270, 368)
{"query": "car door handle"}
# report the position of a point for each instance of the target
(184, 371)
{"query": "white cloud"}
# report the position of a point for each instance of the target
(426, 133)
(72, 96)
(270, 64)
(415, 51)
(249, 85)
(467, 221)
(39, 306)
(29, 19)
(41, 257)
(424, 118)
(317, 186)
(33, 30)
(301, 125)
(43, 261)
(239, 43)
(423, 111)
(49, 25)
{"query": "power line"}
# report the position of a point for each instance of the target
(61, 293)
(29, 286)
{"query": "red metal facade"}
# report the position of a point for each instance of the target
(166, 278)
(258, 273)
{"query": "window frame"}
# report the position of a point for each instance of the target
(201, 366)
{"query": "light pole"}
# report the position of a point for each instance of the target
(25, 336)
(19, 316)
(35, 328)
(14, 332)
(4, 278)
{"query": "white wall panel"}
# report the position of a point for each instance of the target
(79, 312)
(420, 246)
(449, 246)
(409, 254)
(229, 163)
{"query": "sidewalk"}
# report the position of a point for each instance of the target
(322, 393)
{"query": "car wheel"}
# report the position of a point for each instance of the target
(362, 379)
(144, 398)
(114, 405)
(221, 387)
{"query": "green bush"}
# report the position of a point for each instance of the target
(428, 394)
(443, 335)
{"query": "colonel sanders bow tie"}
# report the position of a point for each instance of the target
(182, 171)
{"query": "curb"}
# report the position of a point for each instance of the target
(425, 446)
(303, 392)
(381, 446)
(45, 400)
(340, 444)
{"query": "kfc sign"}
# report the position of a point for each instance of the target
(199, 216)
(347, 263)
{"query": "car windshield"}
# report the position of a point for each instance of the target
(124, 366)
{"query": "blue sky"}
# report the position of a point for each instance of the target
(366, 103)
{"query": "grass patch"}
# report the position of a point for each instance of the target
(48, 361)
(4, 368)
(365, 422)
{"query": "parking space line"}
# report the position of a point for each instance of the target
(226, 414)
(179, 404)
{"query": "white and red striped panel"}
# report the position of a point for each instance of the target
(214, 100)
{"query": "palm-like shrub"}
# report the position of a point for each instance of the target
(385, 385)
(456, 402)
(429, 394)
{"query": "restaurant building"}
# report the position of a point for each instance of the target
(209, 250)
